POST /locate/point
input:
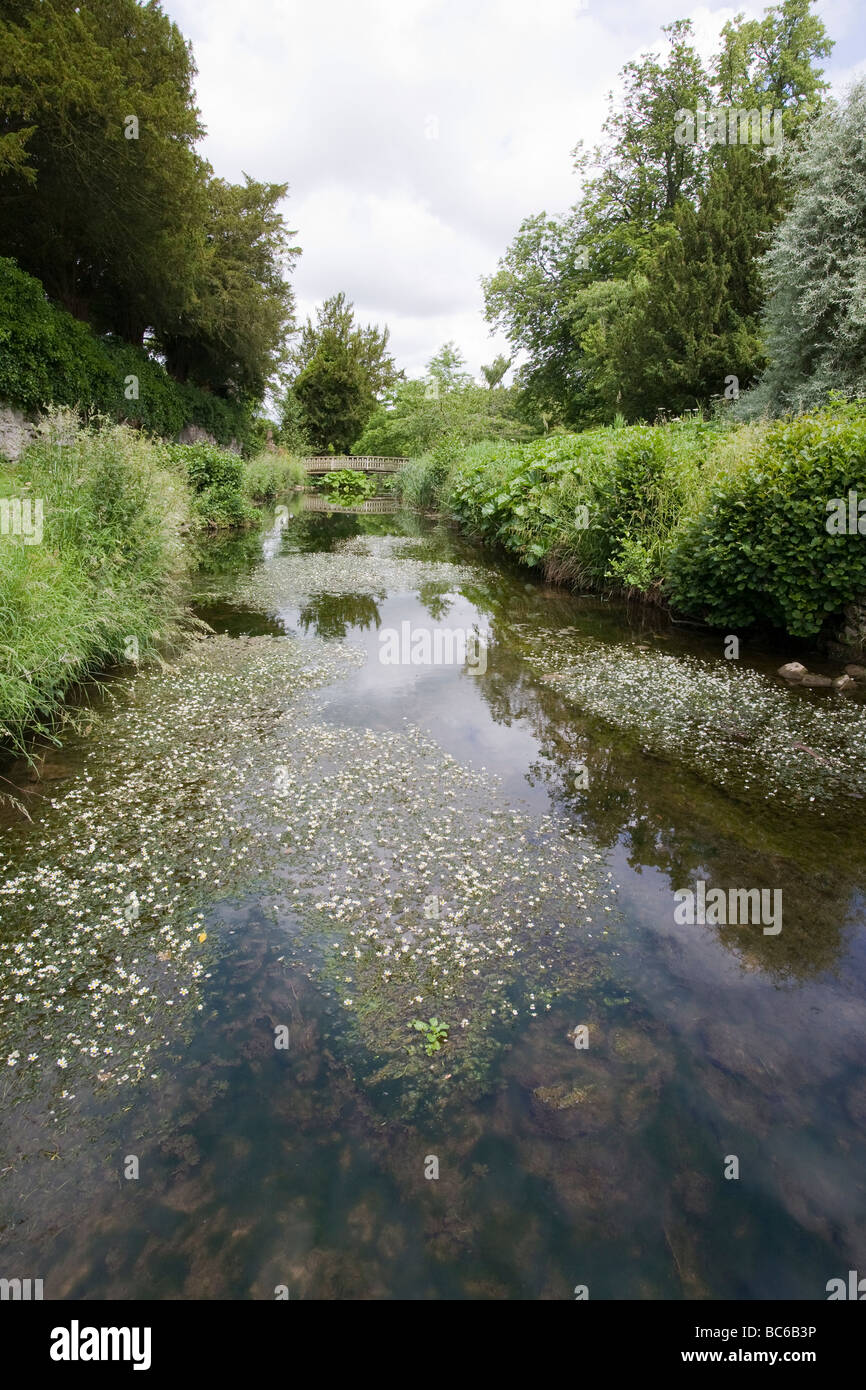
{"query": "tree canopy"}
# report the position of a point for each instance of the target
(646, 295)
(105, 199)
(338, 374)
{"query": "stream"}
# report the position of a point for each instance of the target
(251, 871)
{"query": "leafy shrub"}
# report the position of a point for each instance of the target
(217, 479)
(728, 522)
(639, 497)
(757, 548)
(595, 508)
(348, 485)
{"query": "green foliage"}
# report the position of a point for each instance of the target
(333, 397)
(691, 322)
(771, 62)
(529, 298)
(444, 405)
(435, 1034)
(109, 224)
(726, 523)
(348, 485)
(108, 569)
(230, 336)
(646, 296)
(218, 482)
(596, 508)
(757, 548)
(494, 371)
(644, 170)
(339, 373)
(104, 198)
(47, 357)
(272, 474)
(815, 270)
(292, 432)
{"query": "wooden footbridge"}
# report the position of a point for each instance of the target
(330, 463)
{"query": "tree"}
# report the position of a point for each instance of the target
(341, 368)
(367, 346)
(293, 434)
(495, 371)
(446, 403)
(676, 223)
(815, 269)
(231, 336)
(772, 62)
(446, 371)
(529, 299)
(333, 394)
(645, 170)
(102, 194)
(104, 198)
(691, 329)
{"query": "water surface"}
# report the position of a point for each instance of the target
(279, 838)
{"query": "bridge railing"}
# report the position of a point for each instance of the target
(329, 463)
(314, 503)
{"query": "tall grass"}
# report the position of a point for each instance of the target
(273, 474)
(103, 586)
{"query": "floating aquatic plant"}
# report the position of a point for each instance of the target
(733, 726)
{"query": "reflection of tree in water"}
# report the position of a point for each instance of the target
(331, 614)
(313, 532)
(220, 551)
(435, 597)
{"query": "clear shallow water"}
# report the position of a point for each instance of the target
(226, 826)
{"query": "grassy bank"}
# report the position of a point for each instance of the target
(92, 559)
(727, 524)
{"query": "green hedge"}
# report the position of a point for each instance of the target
(218, 482)
(726, 524)
(47, 357)
(758, 549)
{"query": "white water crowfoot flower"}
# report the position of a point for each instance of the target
(734, 726)
(117, 835)
(426, 828)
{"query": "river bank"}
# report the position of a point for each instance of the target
(745, 528)
(97, 543)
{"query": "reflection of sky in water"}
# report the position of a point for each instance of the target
(558, 1166)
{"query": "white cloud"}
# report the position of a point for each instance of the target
(339, 98)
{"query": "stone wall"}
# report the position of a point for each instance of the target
(16, 432)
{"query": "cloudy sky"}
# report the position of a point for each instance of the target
(415, 135)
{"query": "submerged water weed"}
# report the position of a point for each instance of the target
(419, 881)
(360, 565)
(733, 726)
(103, 952)
(434, 890)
